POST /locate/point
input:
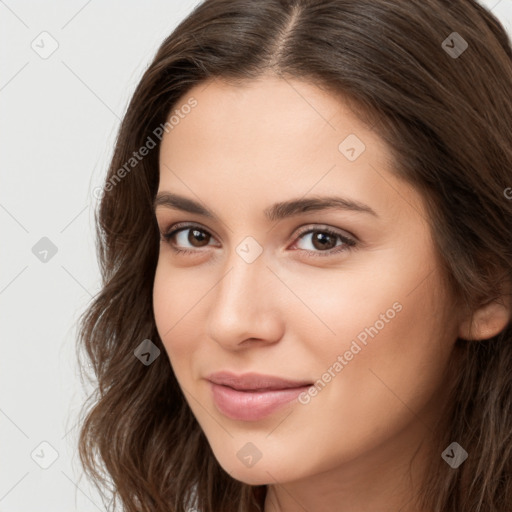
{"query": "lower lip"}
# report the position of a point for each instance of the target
(251, 405)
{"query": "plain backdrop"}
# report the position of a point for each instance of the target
(67, 71)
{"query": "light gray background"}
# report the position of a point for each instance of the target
(59, 116)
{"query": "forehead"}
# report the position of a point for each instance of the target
(272, 139)
(269, 107)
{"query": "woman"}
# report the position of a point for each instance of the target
(305, 239)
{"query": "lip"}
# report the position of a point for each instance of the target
(252, 396)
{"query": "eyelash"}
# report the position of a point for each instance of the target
(348, 243)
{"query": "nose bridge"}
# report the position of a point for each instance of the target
(242, 280)
(241, 307)
(246, 267)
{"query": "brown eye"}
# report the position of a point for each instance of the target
(188, 235)
(324, 242)
(187, 238)
(197, 237)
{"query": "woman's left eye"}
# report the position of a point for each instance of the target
(323, 240)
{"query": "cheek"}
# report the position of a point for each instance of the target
(370, 302)
(164, 302)
(173, 303)
(386, 363)
(383, 342)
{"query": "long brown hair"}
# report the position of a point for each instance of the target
(447, 118)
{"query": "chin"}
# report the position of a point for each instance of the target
(250, 477)
(263, 472)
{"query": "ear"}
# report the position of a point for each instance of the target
(487, 321)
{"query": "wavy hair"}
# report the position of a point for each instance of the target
(447, 120)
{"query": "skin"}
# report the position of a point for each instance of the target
(241, 149)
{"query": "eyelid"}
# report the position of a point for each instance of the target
(324, 227)
(180, 226)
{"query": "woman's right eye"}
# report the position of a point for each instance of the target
(187, 234)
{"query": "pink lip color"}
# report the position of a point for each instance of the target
(251, 405)
(251, 397)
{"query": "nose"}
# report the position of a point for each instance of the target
(246, 306)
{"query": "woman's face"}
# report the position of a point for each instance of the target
(345, 302)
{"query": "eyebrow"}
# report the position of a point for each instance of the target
(277, 211)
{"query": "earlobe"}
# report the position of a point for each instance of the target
(487, 321)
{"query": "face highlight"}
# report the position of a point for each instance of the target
(301, 257)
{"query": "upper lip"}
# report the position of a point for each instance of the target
(254, 381)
